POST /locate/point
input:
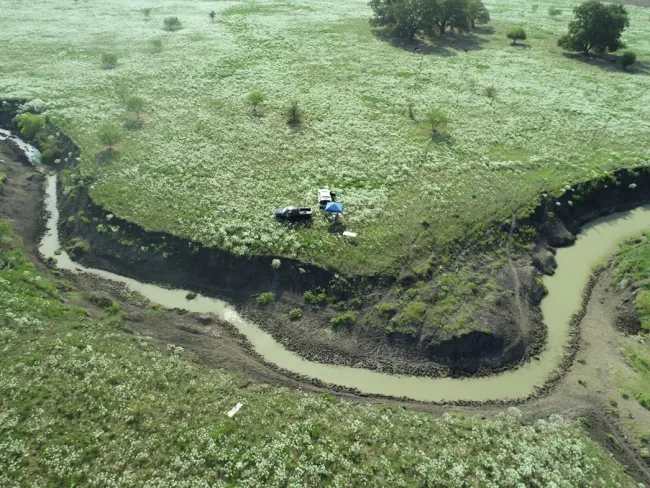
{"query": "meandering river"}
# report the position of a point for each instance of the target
(596, 242)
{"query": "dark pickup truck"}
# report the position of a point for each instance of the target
(292, 213)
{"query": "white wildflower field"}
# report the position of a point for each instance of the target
(83, 404)
(204, 167)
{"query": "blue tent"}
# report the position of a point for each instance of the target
(334, 207)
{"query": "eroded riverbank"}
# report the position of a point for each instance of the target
(597, 240)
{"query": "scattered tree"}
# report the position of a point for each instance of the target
(156, 46)
(294, 115)
(554, 12)
(213, 14)
(254, 99)
(516, 34)
(438, 120)
(628, 58)
(147, 13)
(109, 135)
(109, 60)
(30, 124)
(478, 13)
(135, 105)
(172, 24)
(596, 27)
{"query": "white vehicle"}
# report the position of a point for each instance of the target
(324, 197)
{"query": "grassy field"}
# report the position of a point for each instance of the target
(204, 167)
(84, 404)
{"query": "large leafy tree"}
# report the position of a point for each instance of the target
(478, 13)
(404, 16)
(442, 15)
(596, 27)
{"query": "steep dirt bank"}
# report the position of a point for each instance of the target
(502, 343)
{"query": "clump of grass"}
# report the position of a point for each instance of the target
(172, 24)
(155, 46)
(344, 319)
(3, 179)
(624, 394)
(386, 309)
(295, 314)
(77, 247)
(265, 298)
(109, 61)
(582, 382)
(318, 297)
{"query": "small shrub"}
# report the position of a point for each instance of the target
(534, 8)
(355, 303)
(295, 314)
(147, 13)
(344, 319)
(412, 315)
(294, 115)
(614, 412)
(155, 46)
(643, 399)
(265, 298)
(316, 298)
(582, 382)
(628, 58)
(516, 34)
(386, 309)
(624, 394)
(491, 92)
(101, 301)
(644, 438)
(438, 120)
(276, 263)
(77, 248)
(135, 105)
(554, 12)
(30, 124)
(254, 99)
(213, 14)
(109, 135)
(190, 296)
(109, 61)
(172, 24)
(3, 178)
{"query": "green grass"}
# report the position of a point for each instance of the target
(633, 265)
(201, 154)
(83, 404)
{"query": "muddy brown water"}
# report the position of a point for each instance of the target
(595, 243)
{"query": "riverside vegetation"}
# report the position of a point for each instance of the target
(83, 403)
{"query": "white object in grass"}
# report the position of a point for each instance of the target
(235, 409)
(349, 234)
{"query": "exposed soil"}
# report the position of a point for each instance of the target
(215, 344)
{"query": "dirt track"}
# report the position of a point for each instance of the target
(215, 344)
